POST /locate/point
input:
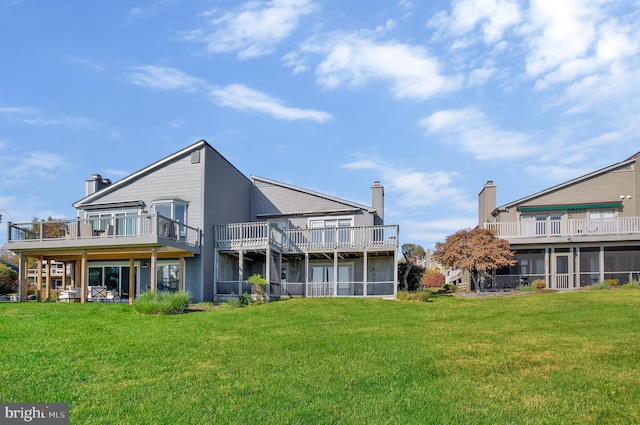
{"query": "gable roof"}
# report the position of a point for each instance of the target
(591, 175)
(351, 205)
(9, 264)
(147, 170)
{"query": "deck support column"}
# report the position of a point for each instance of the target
(306, 273)
(83, 277)
(335, 273)
(22, 280)
(576, 268)
(268, 271)
(395, 274)
(154, 272)
(240, 270)
(181, 275)
(132, 277)
(547, 272)
(77, 268)
(47, 282)
(39, 280)
(601, 263)
(365, 272)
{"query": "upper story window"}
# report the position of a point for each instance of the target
(173, 209)
(328, 230)
(120, 222)
(595, 215)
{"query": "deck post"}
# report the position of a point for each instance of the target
(83, 277)
(268, 270)
(153, 277)
(22, 281)
(47, 279)
(240, 271)
(365, 273)
(39, 279)
(180, 275)
(132, 277)
(335, 273)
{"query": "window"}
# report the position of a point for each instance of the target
(176, 211)
(541, 224)
(126, 222)
(331, 230)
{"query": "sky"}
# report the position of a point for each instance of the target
(431, 98)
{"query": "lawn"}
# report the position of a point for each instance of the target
(550, 358)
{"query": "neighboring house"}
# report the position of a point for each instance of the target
(193, 222)
(574, 234)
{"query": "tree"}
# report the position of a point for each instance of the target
(477, 251)
(8, 279)
(412, 253)
(258, 283)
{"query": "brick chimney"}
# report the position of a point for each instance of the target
(377, 202)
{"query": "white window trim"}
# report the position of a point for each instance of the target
(330, 217)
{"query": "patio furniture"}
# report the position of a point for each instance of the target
(69, 295)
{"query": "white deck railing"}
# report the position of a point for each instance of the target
(566, 227)
(105, 228)
(259, 234)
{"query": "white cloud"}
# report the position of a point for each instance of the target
(86, 62)
(472, 132)
(240, 97)
(33, 116)
(165, 78)
(358, 59)
(493, 16)
(432, 231)
(30, 166)
(417, 189)
(255, 29)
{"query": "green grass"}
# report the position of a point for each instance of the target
(571, 358)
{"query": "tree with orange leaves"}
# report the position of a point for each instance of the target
(477, 251)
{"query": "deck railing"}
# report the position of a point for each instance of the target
(566, 227)
(109, 228)
(260, 234)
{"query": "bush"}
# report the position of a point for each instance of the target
(162, 302)
(526, 288)
(451, 287)
(634, 284)
(611, 282)
(258, 283)
(420, 296)
(245, 299)
(8, 280)
(434, 281)
(538, 284)
(599, 286)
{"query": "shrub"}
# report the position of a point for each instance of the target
(524, 288)
(611, 282)
(420, 296)
(8, 279)
(245, 299)
(258, 283)
(538, 284)
(162, 302)
(634, 284)
(433, 281)
(599, 286)
(402, 296)
(451, 287)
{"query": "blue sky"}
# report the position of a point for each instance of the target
(430, 98)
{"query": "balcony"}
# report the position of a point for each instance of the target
(618, 228)
(145, 229)
(260, 234)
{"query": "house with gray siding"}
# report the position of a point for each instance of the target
(193, 222)
(574, 234)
